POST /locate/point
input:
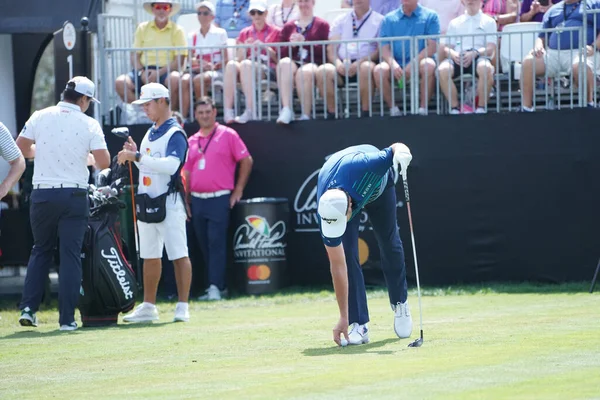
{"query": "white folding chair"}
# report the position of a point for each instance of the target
(517, 42)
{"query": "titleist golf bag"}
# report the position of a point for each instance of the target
(109, 285)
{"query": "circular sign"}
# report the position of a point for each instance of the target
(69, 36)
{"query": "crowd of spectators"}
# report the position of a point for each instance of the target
(274, 45)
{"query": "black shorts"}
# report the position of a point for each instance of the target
(471, 69)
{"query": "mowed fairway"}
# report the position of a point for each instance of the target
(511, 342)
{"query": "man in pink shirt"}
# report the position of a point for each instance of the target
(212, 190)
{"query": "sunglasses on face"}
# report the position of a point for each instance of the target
(256, 12)
(161, 6)
(205, 13)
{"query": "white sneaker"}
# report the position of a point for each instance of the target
(480, 110)
(228, 116)
(402, 320)
(455, 111)
(394, 112)
(304, 117)
(359, 334)
(212, 294)
(422, 111)
(245, 117)
(71, 327)
(182, 312)
(145, 312)
(286, 115)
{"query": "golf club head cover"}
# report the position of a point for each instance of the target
(402, 156)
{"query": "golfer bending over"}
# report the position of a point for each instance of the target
(350, 180)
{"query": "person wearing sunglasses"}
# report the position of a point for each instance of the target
(300, 60)
(232, 15)
(207, 57)
(260, 58)
(155, 66)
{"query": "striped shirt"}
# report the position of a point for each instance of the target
(8, 148)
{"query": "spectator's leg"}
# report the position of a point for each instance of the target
(427, 74)
(286, 69)
(230, 81)
(173, 84)
(186, 95)
(485, 75)
(447, 85)
(590, 77)
(305, 82)
(326, 82)
(528, 78)
(125, 88)
(366, 84)
(246, 80)
(381, 75)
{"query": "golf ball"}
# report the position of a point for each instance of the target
(344, 342)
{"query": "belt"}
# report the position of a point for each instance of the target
(61, 186)
(211, 195)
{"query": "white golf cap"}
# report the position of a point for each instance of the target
(83, 86)
(152, 91)
(332, 211)
(206, 4)
(259, 5)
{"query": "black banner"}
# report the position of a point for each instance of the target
(498, 197)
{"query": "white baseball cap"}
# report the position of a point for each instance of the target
(332, 211)
(83, 86)
(152, 91)
(206, 4)
(259, 5)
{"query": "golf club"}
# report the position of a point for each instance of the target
(418, 342)
(595, 277)
(123, 133)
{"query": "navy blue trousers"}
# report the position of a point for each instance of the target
(210, 218)
(382, 214)
(56, 213)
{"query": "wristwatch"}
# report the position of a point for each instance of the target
(138, 156)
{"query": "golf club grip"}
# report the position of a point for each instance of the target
(406, 194)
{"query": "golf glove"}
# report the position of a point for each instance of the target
(403, 157)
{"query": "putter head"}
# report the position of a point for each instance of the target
(416, 343)
(122, 132)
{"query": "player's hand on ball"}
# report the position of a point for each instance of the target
(340, 332)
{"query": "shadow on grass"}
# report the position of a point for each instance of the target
(32, 333)
(364, 348)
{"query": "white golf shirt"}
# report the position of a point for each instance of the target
(465, 25)
(215, 42)
(64, 137)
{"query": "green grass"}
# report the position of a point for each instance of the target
(481, 342)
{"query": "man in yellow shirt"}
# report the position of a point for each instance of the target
(156, 66)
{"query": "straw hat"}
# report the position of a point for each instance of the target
(175, 7)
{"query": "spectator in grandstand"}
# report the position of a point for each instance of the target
(354, 60)
(534, 10)
(232, 15)
(281, 14)
(212, 190)
(262, 60)
(299, 62)
(560, 51)
(207, 57)
(504, 12)
(411, 19)
(155, 66)
(447, 10)
(12, 155)
(379, 6)
(468, 54)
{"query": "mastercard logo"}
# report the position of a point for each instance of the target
(146, 181)
(259, 272)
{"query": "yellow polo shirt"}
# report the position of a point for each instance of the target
(148, 35)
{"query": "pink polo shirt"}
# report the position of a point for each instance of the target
(221, 154)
